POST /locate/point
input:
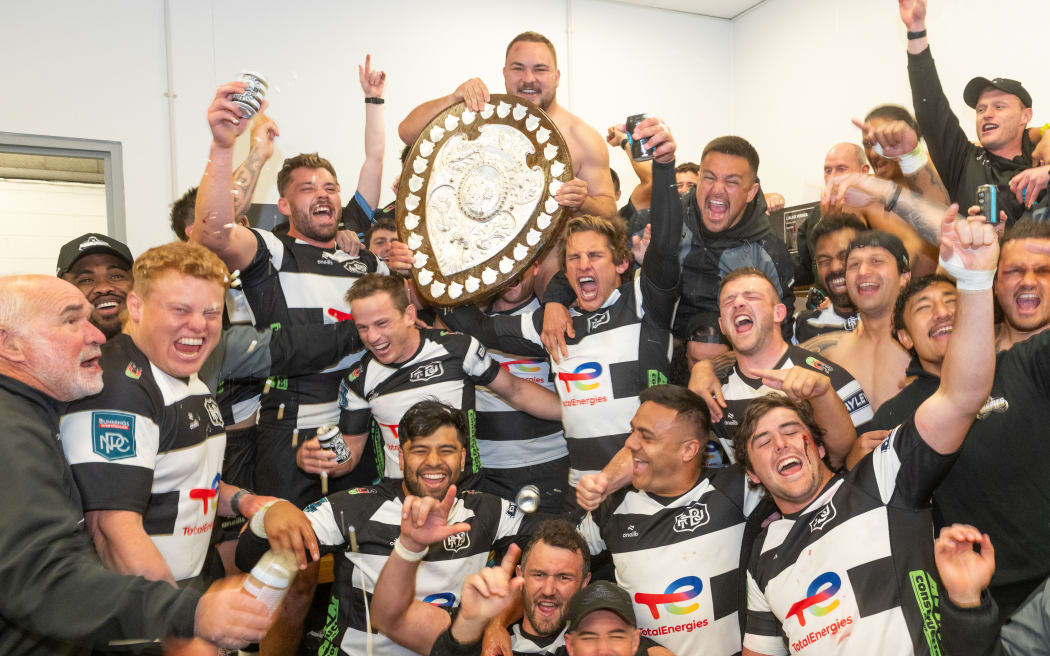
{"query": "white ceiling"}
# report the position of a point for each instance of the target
(716, 8)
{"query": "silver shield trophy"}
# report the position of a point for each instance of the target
(476, 198)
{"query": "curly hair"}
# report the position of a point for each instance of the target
(184, 258)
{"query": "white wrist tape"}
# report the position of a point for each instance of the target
(965, 279)
(911, 162)
(258, 525)
(410, 556)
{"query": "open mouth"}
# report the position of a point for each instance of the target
(717, 207)
(836, 284)
(381, 349)
(322, 210)
(107, 305)
(1027, 302)
(789, 466)
(988, 127)
(434, 480)
(868, 287)
(189, 347)
(743, 324)
(532, 94)
(588, 287)
(639, 466)
(943, 330)
(548, 608)
(92, 364)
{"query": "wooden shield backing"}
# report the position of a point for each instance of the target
(476, 198)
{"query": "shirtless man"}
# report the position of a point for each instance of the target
(876, 271)
(531, 72)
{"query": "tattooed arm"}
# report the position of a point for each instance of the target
(927, 183)
(823, 342)
(247, 174)
(861, 190)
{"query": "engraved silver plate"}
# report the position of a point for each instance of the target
(476, 197)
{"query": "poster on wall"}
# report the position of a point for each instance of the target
(786, 222)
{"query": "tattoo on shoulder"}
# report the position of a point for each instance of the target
(823, 342)
(723, 363)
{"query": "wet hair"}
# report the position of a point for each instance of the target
(884, 240)
(371, 284)
(688, 167)
(562, 534)
(758, 408)
(914, 286)
(533, 37)
(182, 213)
(746, 272)
(382, 224)
(736, 146)
(181, 257)
(1025, 230)
(302, 161)
(688, 404)
(614, 231)
(615, 179)
(425, 417)
(835, 222)
(894, 113)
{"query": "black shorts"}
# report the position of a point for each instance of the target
(238, 464)
(277, 475)
(552, 478)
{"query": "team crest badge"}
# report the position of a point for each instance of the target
(694, 517)
(823, 516)
(457, 542)
(133, 371)
(113, 435)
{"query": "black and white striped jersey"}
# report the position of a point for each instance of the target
(375, 514)
(509, 438)
(738, 390)
(853, 573)
(619, 349)
(152, 444)
(446, 367)
(290, 282)
(679, 559)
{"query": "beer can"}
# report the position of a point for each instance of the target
(640, 151)
(331, 439)
(528, 499)
(250, 102)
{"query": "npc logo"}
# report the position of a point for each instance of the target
(597, 321)
(694, 517)
(820, 590)
(673, 596)
(826, 369)
(113, 435)
(823, 516)
(425, 372)
(585, 372)
(457, 542)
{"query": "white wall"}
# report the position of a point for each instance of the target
(97, 70)
(803, 68)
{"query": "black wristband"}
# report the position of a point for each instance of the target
(623, 142)
(374, 101)
(235, 501)
(893, 201)
(916, 35)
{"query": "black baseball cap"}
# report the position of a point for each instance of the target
(880, 239)
(89, 244)
(601, 595)
(975, 87)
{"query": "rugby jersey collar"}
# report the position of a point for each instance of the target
(667, 501)
(823, 497)
(756, 383)
(540, 641)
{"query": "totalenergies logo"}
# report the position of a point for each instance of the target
(820, 590)
(586, 371)
(679, 590)
(522, 366)
(208, 496)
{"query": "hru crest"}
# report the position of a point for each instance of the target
(426, 372)
(694, 517)
(454, 543)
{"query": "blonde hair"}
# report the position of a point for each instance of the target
(184, 258)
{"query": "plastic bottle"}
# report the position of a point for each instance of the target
(271, 577)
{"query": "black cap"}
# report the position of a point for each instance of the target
(880, 239)
(975, 87)
(88, 244)
(601, 595)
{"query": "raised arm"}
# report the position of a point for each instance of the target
(969, 252)
(898, 141)
(473, 92)
(395, 611)
(591, 190)
(861, 190)
(214, 218)
(501, 333)
(264, 131)
(642, 194)
(370, 182)
(661, 258)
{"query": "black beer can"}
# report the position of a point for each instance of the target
(640, 151)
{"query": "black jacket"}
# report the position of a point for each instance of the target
(962, 166)
(55, 595)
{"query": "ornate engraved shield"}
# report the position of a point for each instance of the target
(476, 197)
